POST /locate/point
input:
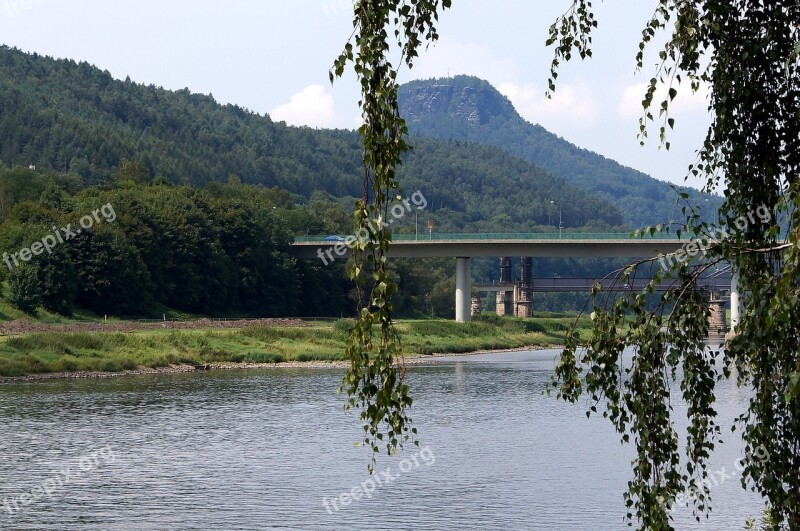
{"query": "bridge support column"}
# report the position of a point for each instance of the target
(524, 302)
(717, 325)
(505, 299)
(475, 307)
(736, 305)
(463, 289)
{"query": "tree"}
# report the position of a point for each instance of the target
(374, 381)
(746, 52)
(23, 288)
(56, 282)
(130, 170)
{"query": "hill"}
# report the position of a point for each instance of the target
(75, 118)
(469, 109)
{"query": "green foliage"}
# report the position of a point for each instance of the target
(59, 351)
(374, 383)
(222, 250)
(136, 140)
(746, 53)
(23, 288)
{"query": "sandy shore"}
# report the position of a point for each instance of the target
(416, 359)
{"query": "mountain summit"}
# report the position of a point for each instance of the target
(464, 100)
(471, 109)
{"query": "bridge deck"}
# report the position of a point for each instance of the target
(587, 245)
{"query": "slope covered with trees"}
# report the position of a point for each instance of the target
(78, 120)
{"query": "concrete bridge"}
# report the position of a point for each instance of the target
(567, 245)
(717, 283)
(463, 246)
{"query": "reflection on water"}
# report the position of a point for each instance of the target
(264, 449)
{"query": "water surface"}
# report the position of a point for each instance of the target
(271, 449)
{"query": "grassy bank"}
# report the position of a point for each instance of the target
(105, 351)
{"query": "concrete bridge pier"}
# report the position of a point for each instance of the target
(736, 304)
(463, 289)
(475, 308)
(717, 323)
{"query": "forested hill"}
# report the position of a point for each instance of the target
(75, 118)
(468, 108)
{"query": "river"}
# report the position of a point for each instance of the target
(273, 449)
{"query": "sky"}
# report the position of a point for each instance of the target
(273, 57)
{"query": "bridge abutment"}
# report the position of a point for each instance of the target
(504, 303)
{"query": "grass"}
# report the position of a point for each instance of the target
(116, 351)
(8, 312)
(487, 332)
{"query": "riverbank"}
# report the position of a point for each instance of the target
(409, 361)
(48, 355)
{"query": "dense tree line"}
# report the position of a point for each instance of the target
(218, 250)
(156, 248)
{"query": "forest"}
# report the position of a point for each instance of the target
(208, 198)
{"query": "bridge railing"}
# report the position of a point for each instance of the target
(532, 236)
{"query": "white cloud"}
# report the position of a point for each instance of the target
(312, 106)
(572, 106)
(630, 105)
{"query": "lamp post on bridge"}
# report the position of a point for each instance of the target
(716, 214)
(560, 225)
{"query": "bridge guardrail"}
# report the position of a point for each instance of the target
(533, 236)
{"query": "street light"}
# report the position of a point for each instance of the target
(431, 225)
(716, 214)
(560, 226)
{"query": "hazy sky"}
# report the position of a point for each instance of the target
(273, 57)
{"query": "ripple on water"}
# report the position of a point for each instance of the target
(262, 449)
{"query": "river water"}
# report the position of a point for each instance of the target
(273, 449)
